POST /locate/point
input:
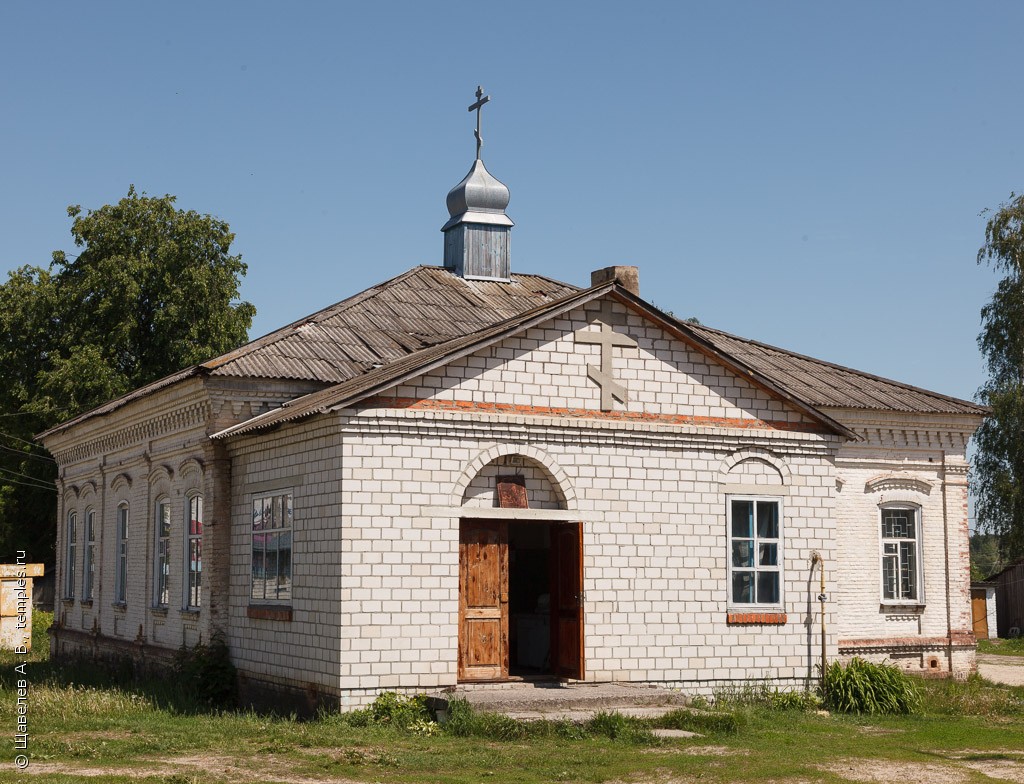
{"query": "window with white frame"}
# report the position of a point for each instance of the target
(272, 547)
(901, 537)
(755, 551)
(89, 561)
(70, 547)
(121, 571)
(162, 565)
(194, 552)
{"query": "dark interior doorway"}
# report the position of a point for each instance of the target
(529, 599)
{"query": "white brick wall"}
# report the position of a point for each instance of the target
(376, 525)
(376, 554)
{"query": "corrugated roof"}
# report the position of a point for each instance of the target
(420, 308)
(827, 385)
(426, 314)
(387, 376)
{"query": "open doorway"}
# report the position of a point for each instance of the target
(520, 600)
(529, 599)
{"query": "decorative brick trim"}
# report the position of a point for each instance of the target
(756, 618)
(587, 413)
(959, 640)
(269, 613)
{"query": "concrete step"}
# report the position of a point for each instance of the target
(564, 700)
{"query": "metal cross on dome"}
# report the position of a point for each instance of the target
(481, 99)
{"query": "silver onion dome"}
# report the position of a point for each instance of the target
(479, 198)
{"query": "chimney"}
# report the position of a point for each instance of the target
(627, 277)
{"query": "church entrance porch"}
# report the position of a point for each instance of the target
(520, 600)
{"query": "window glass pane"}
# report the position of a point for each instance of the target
(743, 587)
(258, 570)
(279, 511)
(768, 587)
(284, 566)
(898, 524)
(908, 570)
(768, 555)
(288, 510)
(767, 520)
(743, 518)
(195, 571)
(889, 577)
(742, 552)
(271, 565)
(195, 524)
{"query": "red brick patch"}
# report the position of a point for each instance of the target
(264, 613)
(587, 413)
(759, 619)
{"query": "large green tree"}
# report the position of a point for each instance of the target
(998, 479)
(152, 290)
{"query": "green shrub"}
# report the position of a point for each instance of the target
(863, 687)
(394, 710)
(762, 695)
(206, 672)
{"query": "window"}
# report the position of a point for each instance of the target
(121, 572)
(194, 552)
(163, 555)
(69, 562)
(89, 563)
(900, 567)
(272, 547)
(755, 551)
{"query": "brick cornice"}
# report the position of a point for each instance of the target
(192, 415)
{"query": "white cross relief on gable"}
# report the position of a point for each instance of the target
(607, 338)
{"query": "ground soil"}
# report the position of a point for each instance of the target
(1002, 669)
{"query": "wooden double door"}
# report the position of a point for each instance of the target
(484, 600)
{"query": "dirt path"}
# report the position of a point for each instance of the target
(1002, 669)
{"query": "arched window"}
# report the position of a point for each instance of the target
(121, 572)
(901, 547)
(89, 561)
(162, 563)
(71, 545)
(193, 552)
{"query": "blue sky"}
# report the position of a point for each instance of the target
(807, 174)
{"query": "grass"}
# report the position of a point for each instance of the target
(127, 730)
(1013, 647)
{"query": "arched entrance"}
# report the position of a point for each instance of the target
(520, 576)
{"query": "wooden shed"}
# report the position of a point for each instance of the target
(1010, 599)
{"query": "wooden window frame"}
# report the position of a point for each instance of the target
(70, 554)
(89, 556)
(288, 498)
(162, 553)
(918, 542)
(121, 567)
(192, 594)
(779, 568)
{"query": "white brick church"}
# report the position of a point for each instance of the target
(471, 474)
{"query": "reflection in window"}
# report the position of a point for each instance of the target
(121, 573)
(194, 552)
(163, 545)
(272, 547)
